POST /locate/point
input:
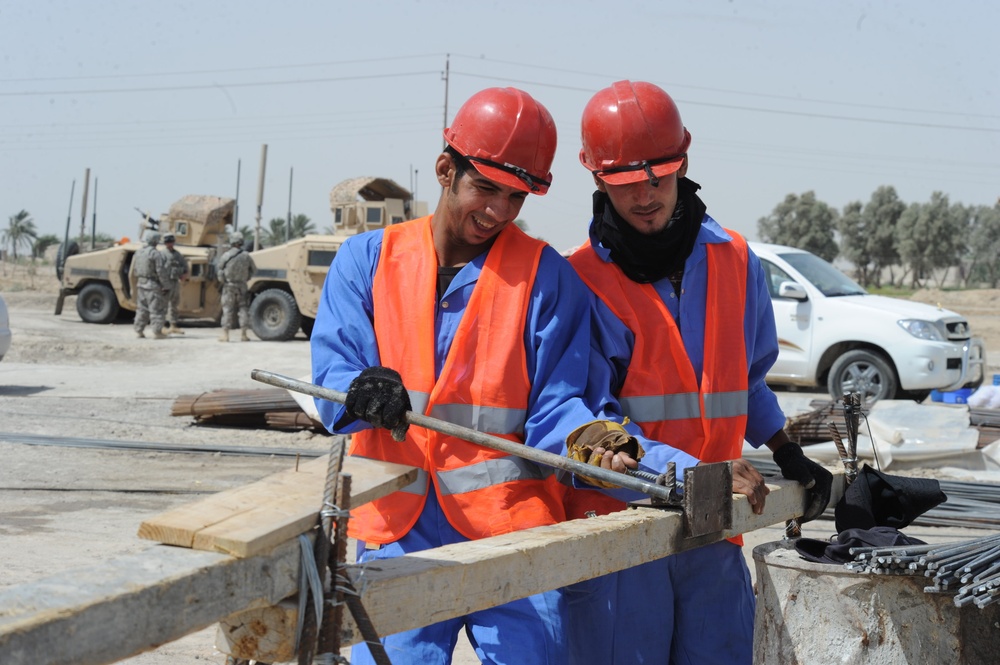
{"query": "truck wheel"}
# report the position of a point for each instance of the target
(65, 251)
(865, 372)
(97, 304)
(274, 316)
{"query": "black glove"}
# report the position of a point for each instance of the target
(378, 396)
(796, 466)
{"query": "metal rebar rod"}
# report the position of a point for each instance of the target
(479, 438)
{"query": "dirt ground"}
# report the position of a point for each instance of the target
(63, 380)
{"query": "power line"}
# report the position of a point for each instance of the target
(199, 72)
(730, 91)
(214, 86)
(734, 107)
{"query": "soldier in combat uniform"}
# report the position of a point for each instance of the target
(235, 270)
(177, 272)
(151, 269)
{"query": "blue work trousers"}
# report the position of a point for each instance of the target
(529, 631)
(692, 608)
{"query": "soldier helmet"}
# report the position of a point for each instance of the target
(168, 238)
(152, 238)
(236, 239)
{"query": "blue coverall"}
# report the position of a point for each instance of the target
(558, 346)
(695, 607)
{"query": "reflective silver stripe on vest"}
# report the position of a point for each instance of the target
(488, 473)
(482, 418)
(726, 405)
(418, 401)
(654, 408)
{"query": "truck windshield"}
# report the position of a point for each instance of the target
(830, 281)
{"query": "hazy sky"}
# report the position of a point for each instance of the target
(162, 99)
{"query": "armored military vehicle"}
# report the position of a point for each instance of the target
(286, 287)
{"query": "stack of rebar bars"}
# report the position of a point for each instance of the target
(813, 427)
(969, 569)
(269, 407)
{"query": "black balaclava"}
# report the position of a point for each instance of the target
(649, 258)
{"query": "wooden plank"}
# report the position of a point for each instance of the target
(104, 613)
(422, 588)
(121, 607)
(254, 518)
(427, 587)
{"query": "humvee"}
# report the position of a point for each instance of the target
(286, 287)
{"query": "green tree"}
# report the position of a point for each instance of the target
(301, 227)
(853, 242)
(803, 222)
(879, 219)
(20, 232)
(275, 233)
(982, 253)
(42, 243)
(867, 235)
(929, 238)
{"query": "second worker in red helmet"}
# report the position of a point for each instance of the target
(685, 315)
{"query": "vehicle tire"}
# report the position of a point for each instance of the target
(307, 325)
(866, 372)
(274, 316)
(65, 251)
(96, 303)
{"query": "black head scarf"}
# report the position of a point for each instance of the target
(649, 258)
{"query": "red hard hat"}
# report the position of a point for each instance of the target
(508, 136)
(632, 131)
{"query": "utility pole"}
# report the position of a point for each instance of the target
(447, 67)
(236, 208)
(260, 194)
(288, 226)
(69, 217)
(83, 207)
(93, 219)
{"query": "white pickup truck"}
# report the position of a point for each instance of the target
(832, 333)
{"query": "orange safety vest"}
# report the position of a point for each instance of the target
(483, 385)
(661, 393)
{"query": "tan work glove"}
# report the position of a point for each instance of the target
(582, 442)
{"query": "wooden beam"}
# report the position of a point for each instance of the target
(114, 610)
(107, 612)
(255, 518)
(427, 587)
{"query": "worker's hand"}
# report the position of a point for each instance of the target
(818, 481)
(378, 396)
(605, 444)
(748, 481)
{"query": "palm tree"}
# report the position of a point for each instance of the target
(275, 234)
(20, 232)
(301, 227)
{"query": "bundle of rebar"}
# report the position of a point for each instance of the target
(813, 427)
(265, 408)
(969, 569)
(234, 402)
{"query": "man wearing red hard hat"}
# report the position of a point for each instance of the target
(685, 314)
(462, 316)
